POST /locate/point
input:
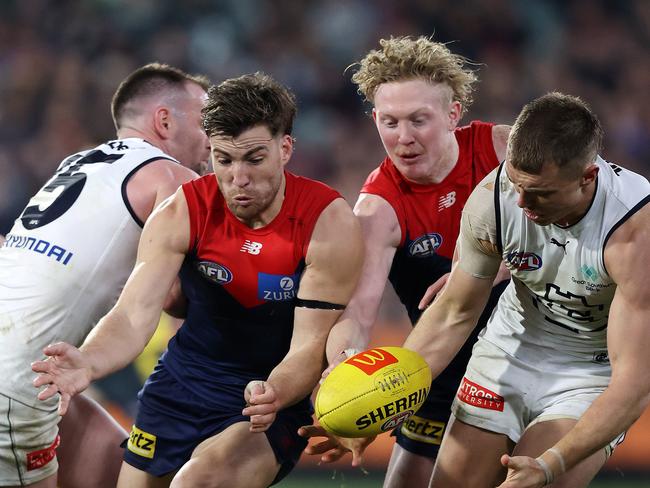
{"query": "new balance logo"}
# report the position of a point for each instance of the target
(447, 200)
(251, 247)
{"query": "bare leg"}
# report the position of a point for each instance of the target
(49, 482)
(469, 457)
(407, 470)
(90, 453)
(545, 434)
(131, 477)
(233, 458)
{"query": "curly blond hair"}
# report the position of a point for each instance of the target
(406, 58)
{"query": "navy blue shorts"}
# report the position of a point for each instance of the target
(422, 433)
(171, 421)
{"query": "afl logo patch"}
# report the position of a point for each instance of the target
(214, 272)
(425, 246)
(524, 261)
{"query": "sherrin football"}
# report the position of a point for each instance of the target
(373, 392)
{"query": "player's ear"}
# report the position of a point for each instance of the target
(162, 122)
(589, 174)
(454, 114)
(286, 148)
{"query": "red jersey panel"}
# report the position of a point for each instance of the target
(429, 215)
(240, 285)
(254, 265)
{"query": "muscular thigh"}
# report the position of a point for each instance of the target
(232, 458)
(470, 457)
(90, 452)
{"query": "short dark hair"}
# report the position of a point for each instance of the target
(237, 104)
(147, 80)
(555, 128)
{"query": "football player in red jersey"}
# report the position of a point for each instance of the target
(409, 209)
(265, 275)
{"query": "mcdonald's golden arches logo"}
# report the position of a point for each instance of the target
(372, 360)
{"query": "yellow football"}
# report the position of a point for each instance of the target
(373, 392)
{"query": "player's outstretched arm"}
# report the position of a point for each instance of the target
(381, 235)
(448, 321)
(627, 257)
(333, 264)
(123, 333)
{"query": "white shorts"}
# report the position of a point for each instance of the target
(503, 394)
(28, 441)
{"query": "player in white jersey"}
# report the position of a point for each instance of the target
(65, 261)
(573, 230)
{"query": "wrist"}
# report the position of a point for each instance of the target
(552, 463)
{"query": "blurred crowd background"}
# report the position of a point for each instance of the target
(61, 60)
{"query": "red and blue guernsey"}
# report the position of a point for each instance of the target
(429, 215)
(241, 285)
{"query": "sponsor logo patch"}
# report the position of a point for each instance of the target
(589, 272)
(214, 272)
(478, 396)
(524, 261)
(142, 443)
(372, 361)
(276, 288)
(393, 413)
(423, 430)
(425, 246)
(38, 459)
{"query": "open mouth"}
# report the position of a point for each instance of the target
(531, 215)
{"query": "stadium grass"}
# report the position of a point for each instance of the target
(355, 479)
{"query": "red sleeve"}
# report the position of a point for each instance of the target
(485, 158)
(383, 183)
(313, 197)
(196, 194)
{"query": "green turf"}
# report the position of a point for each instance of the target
(350, 479)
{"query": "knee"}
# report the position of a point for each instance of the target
(198, 474)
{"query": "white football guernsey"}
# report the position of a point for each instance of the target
(67, 257)
(559, 298)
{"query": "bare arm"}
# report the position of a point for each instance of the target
(381, 236)
(446, 324)
(333, 265)
(627, 258)
(122, 334)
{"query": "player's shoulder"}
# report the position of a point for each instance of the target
(481, 201)
(306, 195)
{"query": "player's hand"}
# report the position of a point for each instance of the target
(343, 355)
(261, 405)
(333, 447)
(65, 371)
(432, 291)
(523, 472)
